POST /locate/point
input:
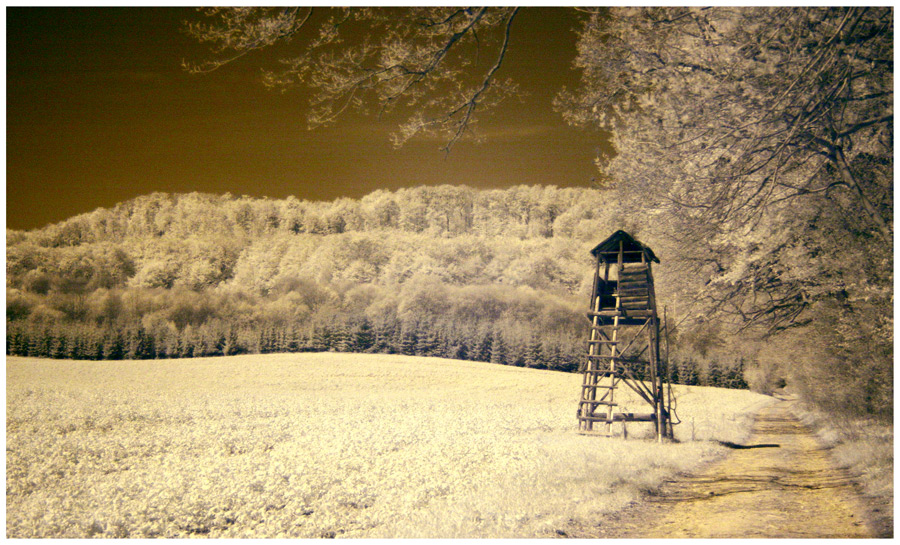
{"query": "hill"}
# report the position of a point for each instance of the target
(449, 271)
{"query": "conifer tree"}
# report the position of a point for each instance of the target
(534, 357)
(498, 349)
(363, 337)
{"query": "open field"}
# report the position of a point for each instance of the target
(322, 445)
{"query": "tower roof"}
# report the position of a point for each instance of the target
(608, 250)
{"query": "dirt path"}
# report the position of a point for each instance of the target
(791, 490)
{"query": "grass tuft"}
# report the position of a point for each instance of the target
(865, 447)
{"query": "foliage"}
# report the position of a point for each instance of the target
(755, 132)
(758, 106)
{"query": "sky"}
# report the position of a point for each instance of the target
(99, 110)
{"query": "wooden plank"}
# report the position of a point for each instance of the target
(641, 290)
(632, 292)
(619, 357)
(621, 417)
(633, 286)
(614, 313)
(629, 320)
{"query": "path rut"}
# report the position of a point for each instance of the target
(792, 490)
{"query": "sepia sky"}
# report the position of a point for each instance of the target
(99, 111)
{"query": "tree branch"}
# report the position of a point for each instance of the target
(863, 124)
(850, 179)
(473, 101)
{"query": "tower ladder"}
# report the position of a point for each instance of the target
(623, 346)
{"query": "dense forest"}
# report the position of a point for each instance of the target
(450, 271)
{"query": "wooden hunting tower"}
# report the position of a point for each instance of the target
(624, 347)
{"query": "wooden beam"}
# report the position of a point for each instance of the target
(622, 417)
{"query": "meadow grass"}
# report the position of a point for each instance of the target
(328, 445)
(865, 447)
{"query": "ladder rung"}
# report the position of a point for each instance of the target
(627, 417)
(607, 403)
(604, 372)
(606, 386)
(604, 313)
(610, 313)
(602, 342)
